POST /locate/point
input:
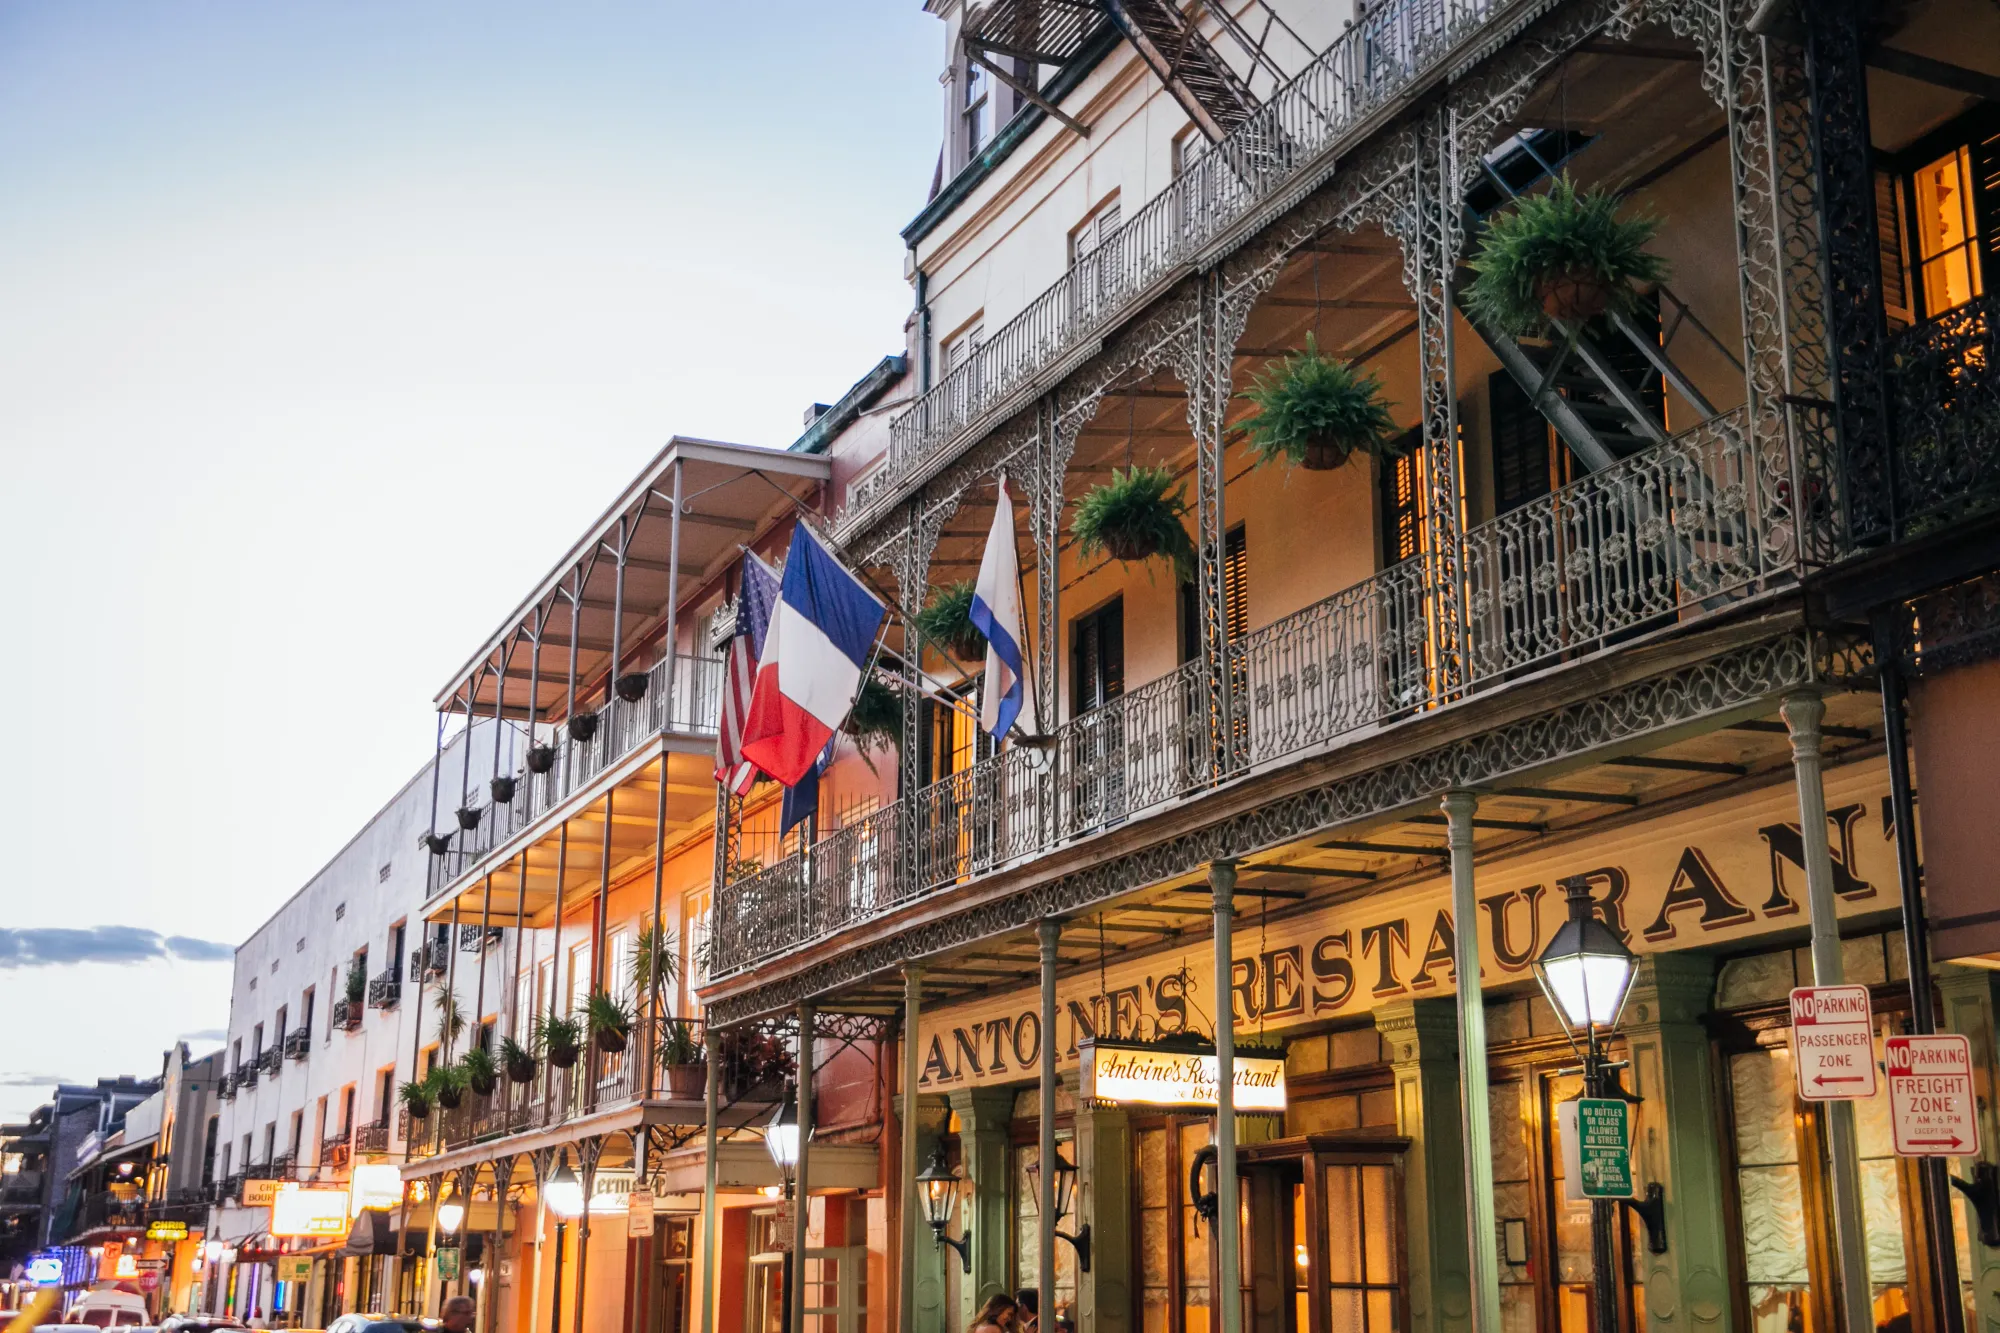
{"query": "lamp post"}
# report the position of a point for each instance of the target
(564, 1197)
(939, 1185)
(781, 1139)
(1065, 1195)
(1586, 972)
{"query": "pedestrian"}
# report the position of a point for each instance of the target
(996, 1316)
(456, 1317)
(1027, 1305)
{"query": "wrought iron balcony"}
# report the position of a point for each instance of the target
(225, 1087)
(1288, 140)
(246, 1075)
(385, 990)
(298, 1043)
(472, 939)
(336, 1155)
(272, 1057)
(431, 960)
(347, 1014)
(694, 708)
(1663, 537)
(371, 1138)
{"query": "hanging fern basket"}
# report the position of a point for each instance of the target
(1137, 516)
(1316, 412)
(947, 621)
(1573, 294)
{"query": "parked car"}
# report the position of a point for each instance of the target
(381, 1323)
(109, 1308)
(199, 1323)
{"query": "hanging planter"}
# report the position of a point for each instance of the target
(610, 1022)
(482, 1073)
(1560, 256)
(518, 1060)
(876, 718)
(685, 1061)
(502, 790)
(1135, 517)
(541, 758)
(448, 1086)
(582, 727)
(1317, 412)
(632, 685)
(468, 817)
(947, 621)
(559, 1039)
(437, 843)
(416, 1099)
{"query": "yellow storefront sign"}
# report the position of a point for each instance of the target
(1177, 1074)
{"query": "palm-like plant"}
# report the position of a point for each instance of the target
(656, 962)
(482, 1072)
(519, 1059)
(450, 1020)
(610, 1020)
(356, 986)
(416, 1098)
(1560, 255)
(1136, 516)
(448, 1084)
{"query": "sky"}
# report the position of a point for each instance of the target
(324, 330)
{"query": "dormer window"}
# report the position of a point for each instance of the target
(976, 111)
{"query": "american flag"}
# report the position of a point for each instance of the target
(753, 616)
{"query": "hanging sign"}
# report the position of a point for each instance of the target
(1833, 1043)
(304, 1212)
(1596, 1135)
(1177, 1073)
(295, 1268)
(1931, 1104)
(257, 1193)
(447, 1264)
(639, 1212)
(377, 1185)
(166, 1231)
(45, 1269)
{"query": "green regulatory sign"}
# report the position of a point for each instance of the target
(447, 1264)
(1604, 1148)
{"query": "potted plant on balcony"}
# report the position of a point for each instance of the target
(502, 790)
(481, 1071)
(632, 685)
(610, 1021)
(450, 1021)
(416, 1098)
(582, 726)
(685, 1061)
(518, 1059)
(947, 622)
(656, 962)
(1135, 517)
(436, 843)
(1316, 412)
(355, 988)
(448, 1083)
(759, 1064)
(1560, 255)
(468, 817)
(541, 758)
(559, 1039)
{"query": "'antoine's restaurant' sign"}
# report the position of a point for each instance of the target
(1723, 872)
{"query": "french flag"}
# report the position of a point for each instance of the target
(996, 611)
(815, 651)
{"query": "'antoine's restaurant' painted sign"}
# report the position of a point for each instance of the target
(1722, 872)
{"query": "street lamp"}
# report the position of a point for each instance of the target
(450, 1216)
(1586, 972)
(781, 1137)
(1065, 1194)
(939, 1184)
(564, 1196)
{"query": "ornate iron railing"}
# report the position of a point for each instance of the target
(693, 708)
(1669, 534)
(1944, 379)
(385, 990)
(1364, 69)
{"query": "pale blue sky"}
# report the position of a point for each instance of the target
(324, 328)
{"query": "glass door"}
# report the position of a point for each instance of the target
(764, 1311)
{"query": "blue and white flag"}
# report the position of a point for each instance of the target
(996, 610)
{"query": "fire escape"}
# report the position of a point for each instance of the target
(1179, 44)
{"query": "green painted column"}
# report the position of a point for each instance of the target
(1674, 1142)
(927, 1286)
(1969, 1010)
(984, 1116)
(1104, 1189)
(1422, 1041)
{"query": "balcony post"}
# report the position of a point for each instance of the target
(1050, 933)
(1476, 1106)
(910, 1207)
(712, 1053)
(465, 758)
(485, 924)
(1206, 375)
(448, 1014)
(559, 985)
(503, 1180)
(1850, 255)
(599, 924)
(434, 1188)
(574, 594)
(1802, 712)
(650, 1013)
(520, 940)
(667, 682)
(587, 1153)
(1222, 886)
(1439, 235)
(795, 1294)
(608, 728)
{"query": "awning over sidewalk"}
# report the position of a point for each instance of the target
(370, 1234)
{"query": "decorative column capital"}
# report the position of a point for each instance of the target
(1419, 1030)
(1669, 988)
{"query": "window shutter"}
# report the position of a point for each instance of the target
(1402, 500)
(1986, 195)
(1889, 233)
(1236, 584)
(1520, 444)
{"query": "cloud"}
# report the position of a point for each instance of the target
(54, 946)
(206, 1034)
(32, 1080)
